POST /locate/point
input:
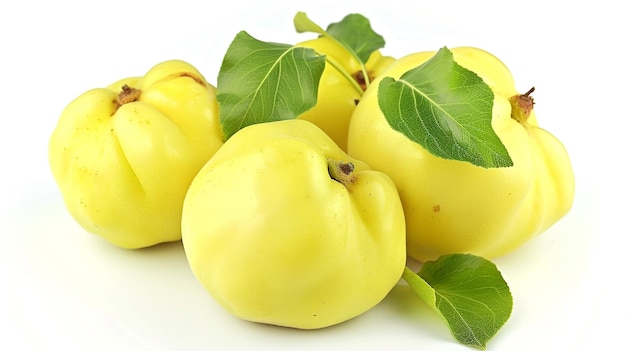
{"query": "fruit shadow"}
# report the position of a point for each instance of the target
(404, 303)
(413, 312)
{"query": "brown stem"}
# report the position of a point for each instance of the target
(530, 91)
(126, 96)
(522, 105)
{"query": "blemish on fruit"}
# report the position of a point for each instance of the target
(197, 79)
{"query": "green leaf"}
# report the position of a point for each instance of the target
(468, 292)
(356, 33)
(447, 109)
(264, 81)
(303, 24)
(353, 32)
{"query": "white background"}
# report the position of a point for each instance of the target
(63, 288)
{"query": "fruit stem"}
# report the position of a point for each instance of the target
(127, 95)
(346, 74)
(340, 171)
(522, 105)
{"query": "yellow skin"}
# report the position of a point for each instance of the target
(123, 161)
(337, 93)
(274, 239)
(452, 206)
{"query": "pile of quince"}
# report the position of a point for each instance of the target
(303, 180)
